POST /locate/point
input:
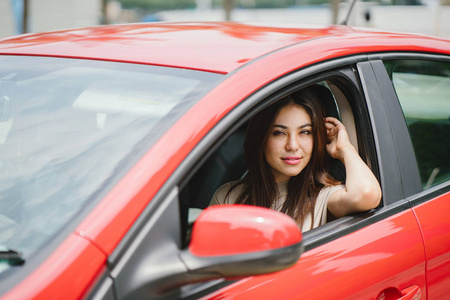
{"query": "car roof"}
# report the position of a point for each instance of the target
(215, 47)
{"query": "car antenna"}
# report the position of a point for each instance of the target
(345, 22)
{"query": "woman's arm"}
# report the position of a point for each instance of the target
(362, 191)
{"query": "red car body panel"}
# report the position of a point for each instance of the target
(255, 57)
(435, 224)
(66, 274)
(214, 47)
(382, 265)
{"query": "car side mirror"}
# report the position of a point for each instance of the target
(233, 241)
(227, 241)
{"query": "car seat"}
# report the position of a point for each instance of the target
(335, 167)
(226, 164)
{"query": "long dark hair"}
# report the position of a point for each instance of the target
(259, 185)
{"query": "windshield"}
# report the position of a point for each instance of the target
(69, 129)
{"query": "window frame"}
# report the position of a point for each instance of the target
(344, 74)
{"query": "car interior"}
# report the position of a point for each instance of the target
(227, 163)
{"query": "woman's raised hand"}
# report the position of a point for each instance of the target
(362, 190)
(337, 138)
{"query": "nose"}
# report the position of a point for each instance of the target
(292, 144)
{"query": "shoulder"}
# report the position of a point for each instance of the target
(327, 190)
(320, 207)
(220, 196)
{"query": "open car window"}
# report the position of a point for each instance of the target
(227, 162)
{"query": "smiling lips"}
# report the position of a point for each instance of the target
(292, 160)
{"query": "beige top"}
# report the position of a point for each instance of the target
(320, 210)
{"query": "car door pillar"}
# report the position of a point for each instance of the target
(390, 174)
(410, 173)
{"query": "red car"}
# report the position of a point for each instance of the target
(114, 138)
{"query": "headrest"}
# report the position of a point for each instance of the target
(328, 102)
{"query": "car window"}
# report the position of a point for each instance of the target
(423, 89)
(227, 163)
(70, 128)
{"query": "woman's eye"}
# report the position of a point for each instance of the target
(305, 132)
(276, 133)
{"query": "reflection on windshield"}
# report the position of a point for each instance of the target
(69, 129)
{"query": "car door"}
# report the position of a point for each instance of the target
(422, 85)
(373, 255)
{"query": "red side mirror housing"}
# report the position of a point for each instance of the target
(239, 240)
(238, 229)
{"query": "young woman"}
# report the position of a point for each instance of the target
(286, 149)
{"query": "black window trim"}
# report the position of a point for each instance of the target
(390, 174)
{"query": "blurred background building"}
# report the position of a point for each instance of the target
(418, 16)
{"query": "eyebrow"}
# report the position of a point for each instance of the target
(285, 127)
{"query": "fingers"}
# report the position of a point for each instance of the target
(332, 128)
(332, 125)
(330, 121)
(336, 131)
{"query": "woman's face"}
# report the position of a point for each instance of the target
(289, 144)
